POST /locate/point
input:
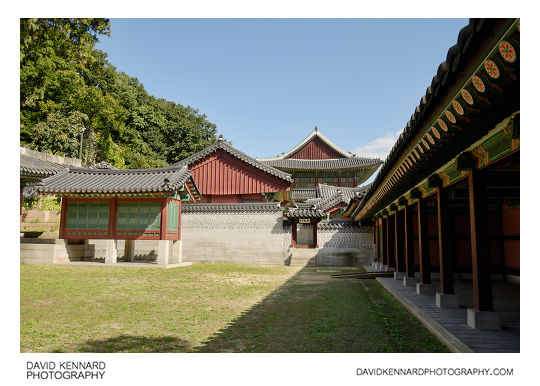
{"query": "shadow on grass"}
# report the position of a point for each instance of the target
(129, 343)
(312, 312)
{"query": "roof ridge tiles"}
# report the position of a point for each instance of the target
(222, 144)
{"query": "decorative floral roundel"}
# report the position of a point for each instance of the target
(450, 116)
(430, 139)
(442, 125)
(426, 145)
(467, 96)
(478, 83)
(507, 51)
(492, 69)
(436, 133)
(458, 108)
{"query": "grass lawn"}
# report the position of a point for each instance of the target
(211, 308)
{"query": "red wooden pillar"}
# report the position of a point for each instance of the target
(113, 208)
(445, 251)
(179, 219)
(423, 242)
(479, 244)
(409, 246)
(315, 245)
(399, 242)
(163, 227)
(293, 230)
(377, 242)
(390, 240)
(385, 240)
(63, 216)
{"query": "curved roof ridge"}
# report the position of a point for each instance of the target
(222, 144)
(313, 134)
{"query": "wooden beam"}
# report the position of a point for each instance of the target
(408, 239)
(481, 274)
(445, 251)
(423, 242)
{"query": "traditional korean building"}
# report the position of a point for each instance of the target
(224, 174)
(113, 204)
(446, 200)
(317, 160)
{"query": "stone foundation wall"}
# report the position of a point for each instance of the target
(344, 244)
(241, 233)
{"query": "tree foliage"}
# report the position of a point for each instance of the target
(67, 83)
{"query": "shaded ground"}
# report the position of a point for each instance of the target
(211, 308)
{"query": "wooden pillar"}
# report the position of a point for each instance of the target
(423, 242)
(390, 240)
(399, 242)
(163, 227)
(113, 208)
(315, 245)
(377, 242)
(445, 251)
(479, 244)
(179, 219)
(63, 216)
(408, 239)
(384, 223)
(293, 230)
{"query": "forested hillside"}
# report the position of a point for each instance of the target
(68, 85)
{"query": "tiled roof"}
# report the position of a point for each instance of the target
(312, 135)
(247, 207)
(102, 165)
(85, 180)
(223, 145)
(322, 164)
(36, 166)
(326, 191)
(469, 43)
(329, 196)
(304, 213)
(303, 193)
(336, 224)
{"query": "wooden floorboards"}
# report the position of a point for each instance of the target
(506, 303)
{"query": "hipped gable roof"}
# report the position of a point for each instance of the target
(314, 134)
(223, 145)
(86, 180)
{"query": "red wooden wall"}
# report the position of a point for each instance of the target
(222, 174)
(316, 149)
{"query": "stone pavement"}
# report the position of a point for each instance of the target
(450, 325)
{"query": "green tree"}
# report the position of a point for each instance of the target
(62, 75)
(59, 134)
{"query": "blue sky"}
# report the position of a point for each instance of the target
(266, 83)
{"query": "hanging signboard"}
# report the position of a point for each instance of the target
(304, 221)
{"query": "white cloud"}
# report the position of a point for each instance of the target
(378, 148)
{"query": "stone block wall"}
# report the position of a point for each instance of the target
(344, 243)
(242, 233)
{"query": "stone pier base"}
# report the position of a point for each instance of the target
(399, 275)
(483, 320)
(111, 252)
(446, 300)
(424, 289)
(410, 281)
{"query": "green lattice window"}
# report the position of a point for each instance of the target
(139, 215)
(172, 216)
(331, 178)
(87, 215)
